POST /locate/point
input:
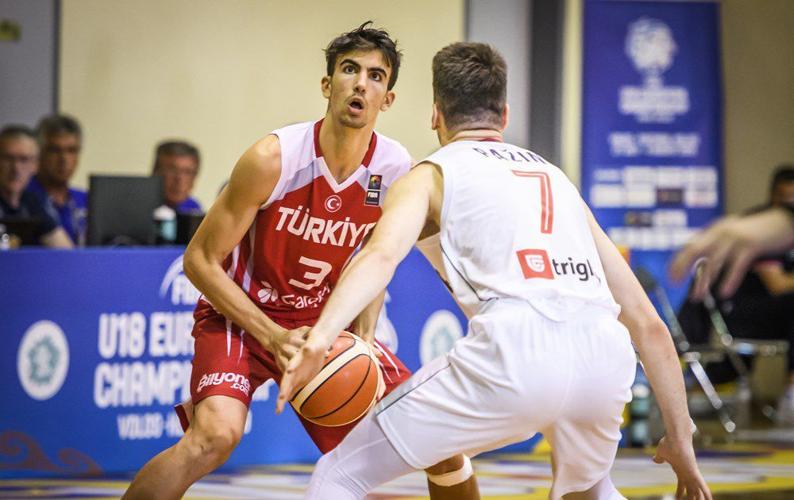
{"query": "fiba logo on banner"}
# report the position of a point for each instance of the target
(651, 47)
(43, 360)
(182, 290)
(441, 330)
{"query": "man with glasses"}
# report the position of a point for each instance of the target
(178, 164)
(60, 139)
(19, 153)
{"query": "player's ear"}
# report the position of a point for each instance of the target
(505, 116)
(435, 119)
(388, 100)
(325, 86)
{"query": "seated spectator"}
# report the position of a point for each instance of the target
(19, 153)
(178, 164)
(762, 305)
(60, 140)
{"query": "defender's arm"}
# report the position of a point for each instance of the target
(405, 212)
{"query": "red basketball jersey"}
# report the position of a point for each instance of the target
(291, 257)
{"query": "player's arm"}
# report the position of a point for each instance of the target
(405, 213)
(775, 278)
(364, 324)
(252, 181)
(660, 360)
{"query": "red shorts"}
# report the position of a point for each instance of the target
(227, 364)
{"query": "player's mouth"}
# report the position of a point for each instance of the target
(356, 105)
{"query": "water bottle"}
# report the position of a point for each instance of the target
(165, 222)
(639, 410)
(5, 239)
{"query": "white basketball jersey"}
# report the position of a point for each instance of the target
(514, 226)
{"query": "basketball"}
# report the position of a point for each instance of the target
(346, 387)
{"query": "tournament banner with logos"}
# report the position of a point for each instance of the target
(651, 125)
(97, 350)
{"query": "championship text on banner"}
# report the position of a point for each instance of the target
(98, 348)
(651, 124)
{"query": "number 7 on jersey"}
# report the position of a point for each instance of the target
(546, 200)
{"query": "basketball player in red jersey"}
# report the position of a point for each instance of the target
(271, 248)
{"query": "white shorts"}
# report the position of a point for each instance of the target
(517, 373)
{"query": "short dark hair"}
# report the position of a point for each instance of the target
(175, 148)
(58, 124)
(783, 173)
(16, 131)
(470, 84)
(365, 37)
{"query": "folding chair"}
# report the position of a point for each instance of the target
(689, 355)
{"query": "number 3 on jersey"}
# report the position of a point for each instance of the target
(315, 276)
(546, 200)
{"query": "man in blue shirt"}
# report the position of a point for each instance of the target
(178, 164)
(60, 139)
(18, 156)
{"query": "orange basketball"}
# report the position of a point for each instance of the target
(346, 387)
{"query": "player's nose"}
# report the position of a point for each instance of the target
(361, 83)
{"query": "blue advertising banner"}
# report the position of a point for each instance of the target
(651, 133)
(97, 349)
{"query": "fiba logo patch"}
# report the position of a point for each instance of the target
(333, 203)
(43, 360)
(441, 330)
(267, 293)
(535, 264)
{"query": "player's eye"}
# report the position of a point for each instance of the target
(376, 76)
(348, 69)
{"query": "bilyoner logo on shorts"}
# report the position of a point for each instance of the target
(235, 380)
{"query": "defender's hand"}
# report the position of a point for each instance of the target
(303, 367)
(286, 344)
(681, 457)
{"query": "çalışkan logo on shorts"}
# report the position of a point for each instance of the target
(43, 360)
(441, 330)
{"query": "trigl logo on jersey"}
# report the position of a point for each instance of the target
(535, 264)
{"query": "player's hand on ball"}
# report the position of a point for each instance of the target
(285, 345)
(303, 367)
(681, 457)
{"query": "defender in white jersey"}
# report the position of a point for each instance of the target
(549, 298)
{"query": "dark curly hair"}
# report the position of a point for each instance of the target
(365, 37)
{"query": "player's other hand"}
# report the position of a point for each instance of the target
(730, 246)
(303, 367)
(286, 344)
(681, 457)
